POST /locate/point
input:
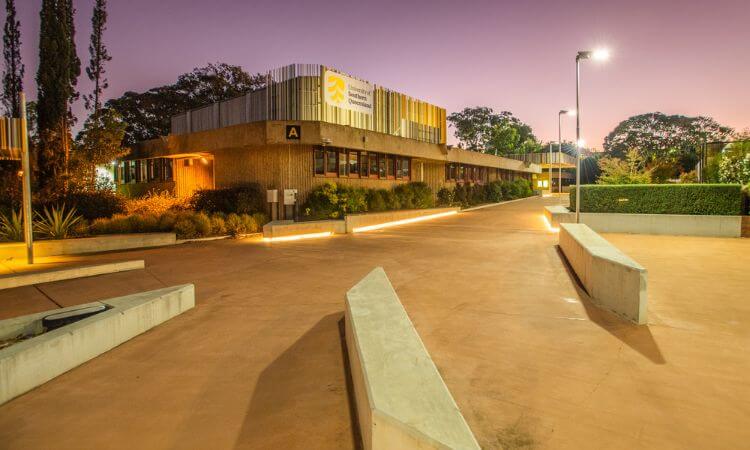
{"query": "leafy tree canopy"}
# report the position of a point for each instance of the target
(481, 129)
(629, 170)
(148, 114)
(662, 137)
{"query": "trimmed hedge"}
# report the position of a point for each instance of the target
(334, 201)
(690, 199)
(246, 198)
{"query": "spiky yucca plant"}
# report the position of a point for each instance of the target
(56, 223)
(11, 228)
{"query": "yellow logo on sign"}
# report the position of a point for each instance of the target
(336, 86)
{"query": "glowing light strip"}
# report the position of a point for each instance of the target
(549, 225)
(298, 237)
(402, 222)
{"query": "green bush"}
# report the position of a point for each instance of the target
(461, 194)
(251, 226)
(323, 203)
(375, 201)
(392, 201)
(56, 223)
(235, 225)
(523, 188)
(495, 191)
(694, 199)
(478, 194)
(245, 198)
(92, 205)
(11, 226)
(261, 219)
(421, 195)
(167, 221)
(185, 228)
(351, 200)
(445, 197)
(143, 223)
(218, 225)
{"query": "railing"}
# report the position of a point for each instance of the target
(544, 158)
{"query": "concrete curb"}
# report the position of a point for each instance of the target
(612, 279)
(30, 278)
(93, 244)
(401, 399)
(32, 362)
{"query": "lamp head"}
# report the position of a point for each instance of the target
(601, 54)
(567, 112)
(581, 143)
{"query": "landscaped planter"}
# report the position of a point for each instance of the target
(93, 244)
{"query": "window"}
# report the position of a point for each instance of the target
(460, 172)
(332, 160)
(168, 169)
(390, 163)
(343, 164)
(381, 166)
(402, 168)
(353, 163)
(319, 158)
(406, 166)
(363, 160)
(373, 165)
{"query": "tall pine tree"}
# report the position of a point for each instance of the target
(14, 69)
(56, 79)
(98, 57)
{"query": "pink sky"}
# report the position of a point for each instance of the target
(675, 56)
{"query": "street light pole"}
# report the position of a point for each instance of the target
(559, 152)
(600, 55)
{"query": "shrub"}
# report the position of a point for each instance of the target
(251, 226)
(477, 194)
(245, 198)
(11, 226)
(156, 203)
(689, 177)
(461, 194)
(375, 201)
(405, 196)
(81, 228)
(695, 199)
(89, 204)
(218, 225)
(495, 191)
(523, 188)
(55, 223)
(200, 225)
(508, 190)
(445, 197)
(185, 228)
(261, 219)
(392, 202)
(351, 199)
(322, 203)
(234, 224)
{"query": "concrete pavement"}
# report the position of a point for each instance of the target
(531, 363)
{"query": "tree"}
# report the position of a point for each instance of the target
(734, 160)
(664, 139)
(630, 170)
(481, 129)
(98, 57)
(56, 78)
(148, 114)
(98, 144)
(14, 68)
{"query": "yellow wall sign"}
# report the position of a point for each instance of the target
(293, 132)
(347, 92)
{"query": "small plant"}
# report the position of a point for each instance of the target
(218, 225)
(56, 223)
(445, 197)
(11, 227)
(185, 228)
(156, 203)
(251, 226)
(261, 219)
(235, 225)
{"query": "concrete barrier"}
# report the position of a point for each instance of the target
(49, 276)
(667, 224)
(32, 362)
(402, 402)
(95, 244)
(284, 228)
(361, 222)
(610, 277)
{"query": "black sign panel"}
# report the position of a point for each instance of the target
(293, 132)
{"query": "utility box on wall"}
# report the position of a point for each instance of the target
(290, 204)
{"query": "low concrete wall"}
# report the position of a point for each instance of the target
(610, 277)
(29, 278)
(281, 228)
(668, 224)
(369, 219)
(30, 363)
(402, 402)
(93, 244)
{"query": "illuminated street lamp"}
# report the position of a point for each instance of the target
(599, 55)
(567, 112)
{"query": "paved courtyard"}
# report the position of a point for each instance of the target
(531, 362)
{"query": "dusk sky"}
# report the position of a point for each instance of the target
(675, 56)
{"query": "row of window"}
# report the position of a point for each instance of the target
(144, 170)
(477, 174)
(339, 162)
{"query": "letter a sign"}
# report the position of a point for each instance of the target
(293, 132)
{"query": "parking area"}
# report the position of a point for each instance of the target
(259, 362)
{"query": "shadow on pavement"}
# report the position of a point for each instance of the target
(637, 337)
(301, 399)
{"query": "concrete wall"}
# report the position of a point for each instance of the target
(30, 363)
(283, 228)
(48, 276)
(610, 277)
(668, 224)
(402, 402)
(368, 219)
(93, 244)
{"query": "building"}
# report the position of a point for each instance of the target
(309, 125)
(562, 167)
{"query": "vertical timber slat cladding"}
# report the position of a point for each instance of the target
(192, 174)
(296, 92)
